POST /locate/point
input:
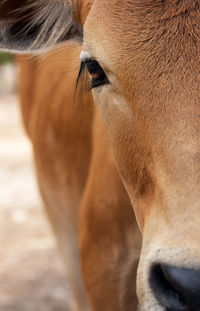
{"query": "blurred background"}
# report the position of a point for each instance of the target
(32, 275)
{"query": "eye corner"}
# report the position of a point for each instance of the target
(84, 56)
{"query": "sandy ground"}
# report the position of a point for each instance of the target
(31, 273)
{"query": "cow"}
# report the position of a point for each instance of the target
(116, 132)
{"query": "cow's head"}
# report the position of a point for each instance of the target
(144, 59)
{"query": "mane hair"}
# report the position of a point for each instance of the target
(39, 23)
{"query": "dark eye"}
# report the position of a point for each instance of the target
(96, 72)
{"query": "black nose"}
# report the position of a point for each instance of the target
(176, 289)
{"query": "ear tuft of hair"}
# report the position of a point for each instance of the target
(35, 25)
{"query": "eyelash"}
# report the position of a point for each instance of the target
(91, 68)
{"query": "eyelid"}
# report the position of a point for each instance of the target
(84, 56)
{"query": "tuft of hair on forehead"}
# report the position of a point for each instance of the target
(40, 23)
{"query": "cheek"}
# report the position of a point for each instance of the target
(135, 169)
(117, 118)
(130, 151)
(112, 106)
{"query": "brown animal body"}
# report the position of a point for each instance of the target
(79, 182)
(131, 144)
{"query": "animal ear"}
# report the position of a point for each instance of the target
(34, 25)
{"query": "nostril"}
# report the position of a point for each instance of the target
(164, 291)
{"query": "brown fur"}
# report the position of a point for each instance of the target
(148, 117)
(79, 182)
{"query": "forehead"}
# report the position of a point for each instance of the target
(140, 39)
(123, 22)
(123, 34)
(105, 26)
(128, 17)
(115, 34)
(107, 21)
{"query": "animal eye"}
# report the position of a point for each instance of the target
(96, 72)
